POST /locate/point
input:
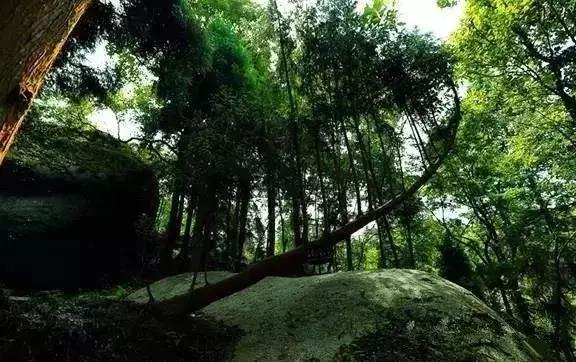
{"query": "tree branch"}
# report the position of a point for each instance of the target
(162, 142)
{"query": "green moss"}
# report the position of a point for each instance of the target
(175, 285)
(61, 151)
(350, 315)
(421, 332)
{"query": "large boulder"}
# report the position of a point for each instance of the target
(391, 315)
(394, 315)
(75, 208)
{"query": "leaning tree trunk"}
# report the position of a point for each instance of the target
(32, 34)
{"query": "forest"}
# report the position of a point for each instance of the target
(307, 180)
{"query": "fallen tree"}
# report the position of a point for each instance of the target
(32, 34)
(288, 263)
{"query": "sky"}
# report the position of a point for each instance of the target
(422, 14)
(428, 17)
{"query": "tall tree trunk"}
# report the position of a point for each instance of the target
(170, 236)
(374, 190)
(340, 181)
(342, 203)
(320, 169)
(228, 226)
(295, 217)
(244, 187)
(384, 223)
(202, 241)
(233, 236)
(316, 218)
(188, 225)
(506, 301)
(369, 174)
(300, 199)
(410, 243)
(178, 226)
(381, 249)
(271, 195)
(282, 231)
(159, 213)
(301, 188)
(561, 334)
(183, 257)
(349, 261)
(355, 178)
(32, 34)
(198, 235)
(388, 230)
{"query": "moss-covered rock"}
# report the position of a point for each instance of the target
(176, 285)
(392, 315)
(74, 207)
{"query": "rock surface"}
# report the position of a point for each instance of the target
(175, 285)
(392, 315)
(73, 209)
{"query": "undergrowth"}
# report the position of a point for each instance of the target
(96, 326)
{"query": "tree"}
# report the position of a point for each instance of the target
(512, 171)
(33, 34)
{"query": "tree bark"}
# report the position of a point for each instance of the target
(299, 203)
(233, 235)
(295, 217)
(409, 242)
(381, 250)
(319, 167)
(244, 189)
(388, 229)
(201, 242)
(349, 261)
(198, 234)
(32, 34)
(282, 231)
(184, 256)
(271, 195)
(352, 166)
(171, 233)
